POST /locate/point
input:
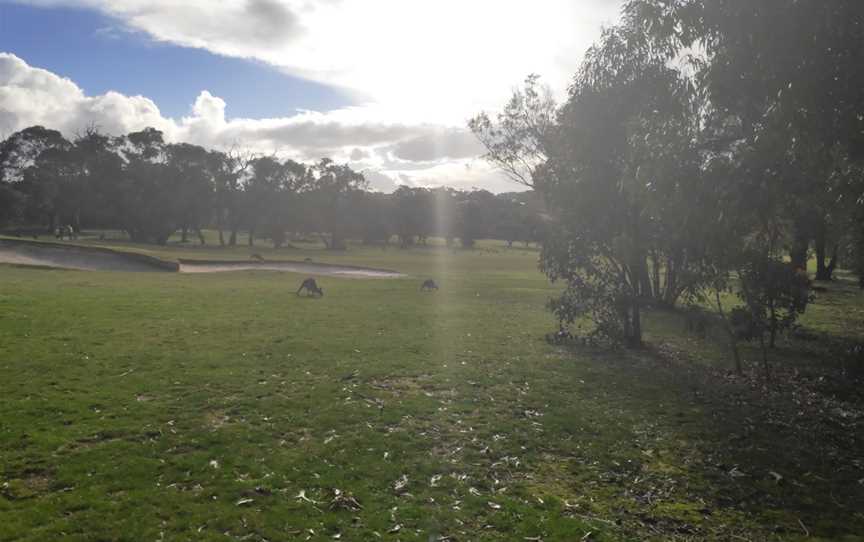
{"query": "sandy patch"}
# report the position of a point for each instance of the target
(187, 266)
(76, 257)
(59, 256)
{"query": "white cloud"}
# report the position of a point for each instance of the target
(436, 144)
(420, 69)
(30, 96)
(438, 61)
(461, 174)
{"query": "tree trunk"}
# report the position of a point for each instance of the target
(773, 324)
(252, 237)
(201, 236)
(823, 271)
(733, 343)
(765, 364)
(636, 328)
(670, 295)
(645, 288)
(638, 276)
(232, 241)
(832, 265)
(184, 234)
(798, 251)
(655, 273)
(820, 243)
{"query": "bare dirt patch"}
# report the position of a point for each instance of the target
(31, 484)
(216, 419)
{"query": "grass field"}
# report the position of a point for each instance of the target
(151, 406)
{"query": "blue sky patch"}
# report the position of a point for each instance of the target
(99, 55)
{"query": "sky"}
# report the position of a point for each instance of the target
(384, 85)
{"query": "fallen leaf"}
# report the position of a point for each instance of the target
(735, 473)
(301, 496)
(400, 484)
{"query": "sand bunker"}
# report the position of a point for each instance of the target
(61, 256)
(75, 257)
(194, 266)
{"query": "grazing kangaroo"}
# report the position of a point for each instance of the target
(311, 288)
(256, 257)
(428, 285)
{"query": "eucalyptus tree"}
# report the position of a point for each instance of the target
(786, 71)
(33, 168)
(149, 206)
(444, 213)
(413, 215)
(334, 188)
(190, 166)
(469, 222)
(11, 204)
(620, 167)
(271, 197)
(261, 192)
(373, 213)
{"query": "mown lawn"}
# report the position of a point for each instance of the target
(223, 407)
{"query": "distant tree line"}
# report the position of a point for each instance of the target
(151, 189)
(704, 146)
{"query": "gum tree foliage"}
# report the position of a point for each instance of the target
(98, 170)
(621, 171)
(774, 294)
(150, 208)
(375, 217)
(140, 184)
(189, 165)
(32, 164)
(10, 204)
(271, 197)
(517, 139)
(789, 72)
(469, 223)
(227, 169)
(334, 188)
(412, 215)
(444, 212)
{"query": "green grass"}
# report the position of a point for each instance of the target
(223, 407)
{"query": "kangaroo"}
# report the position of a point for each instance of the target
(311, 288)
(256, 257)
(428, 285)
